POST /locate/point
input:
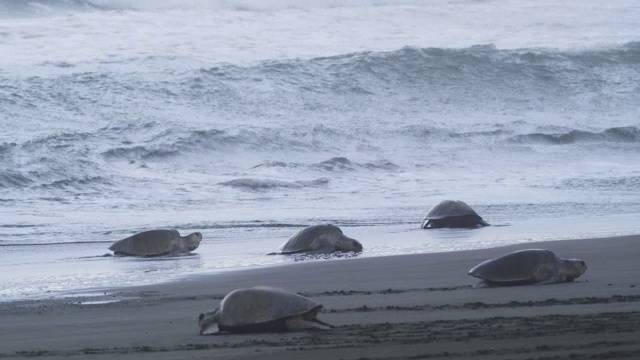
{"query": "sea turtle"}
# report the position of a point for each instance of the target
(452, 214)
(319, 239)
(527, 267)
(261, 309)
(156, 242)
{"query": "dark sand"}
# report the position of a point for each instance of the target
(398, 307)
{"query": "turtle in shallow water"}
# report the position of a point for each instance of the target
(527, 267)
(319, 239)
(156, 242)
(261, 309)
(452, 214)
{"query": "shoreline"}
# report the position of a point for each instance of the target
(394, 306)
(47, 272)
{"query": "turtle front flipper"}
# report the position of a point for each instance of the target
(208, 322)
(322, 245)
(547, 272)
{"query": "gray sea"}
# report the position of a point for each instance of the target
(247, 120)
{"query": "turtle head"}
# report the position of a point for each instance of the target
(192, 241)
(348, 244)
(573, 268)
(338, 240)
(208, 322)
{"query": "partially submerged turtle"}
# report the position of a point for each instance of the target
(452, 214)
(262, 309)
(156, 242)
(319, 239)
(527, 267)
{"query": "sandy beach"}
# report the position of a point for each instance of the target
(410, 306)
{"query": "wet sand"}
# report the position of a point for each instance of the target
(411, 306)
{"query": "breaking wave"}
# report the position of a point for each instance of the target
(411, 79)
(436, 78)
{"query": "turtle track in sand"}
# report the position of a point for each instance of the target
(590, 335)
(594, 336)
(482, 305)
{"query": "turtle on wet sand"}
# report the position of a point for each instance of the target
(319, 239)
(452, 214)
(529, 266)
(156, 242)
(262, 309)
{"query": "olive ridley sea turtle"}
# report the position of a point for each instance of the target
(156, 242)
(452, 214)
(319, 239)
(262, 309)
(527, 267)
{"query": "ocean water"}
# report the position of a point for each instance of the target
(247, 120)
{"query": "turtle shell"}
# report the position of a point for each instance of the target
(147, 243)
(253, 307)
(450, 208)
(518, 267)
(452, 214)
(303, 240)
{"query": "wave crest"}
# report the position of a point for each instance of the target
(629, 134)
(51, 6)
(338, 163)
(266, 184)
(342, 163)
(13, 179)
(624, 183)
(76, 183)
